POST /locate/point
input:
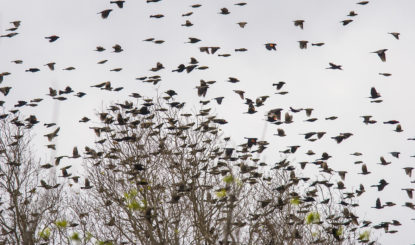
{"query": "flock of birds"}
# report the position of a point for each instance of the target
(275, 116)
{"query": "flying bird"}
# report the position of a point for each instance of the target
(334, 66)
(395, 34)
(52, 38)
(271, 46)
(299, 23)
(381, 54)
(119, 3)
(105, 13)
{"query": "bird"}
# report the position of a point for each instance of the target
(219, 99)
(242, 24)
(395, 34)
(385, 74)
(75, 153)
(51, 65)
(381, 185)
(409, 192)
(317, 44)
(33, 70)
(117, 48)
(87, 184)
(398, 128)
(395, 154)
(119, 3)
(193, 40)
(5, 90)
(52, 38)
(157, 16)
(408, 171)
(334, 66)
(378, 204)
(271, 46)
(52, 135)
(187, 14)
(278, 85)
(381, 54)
(299, 23)
(346, 22)
(374, 94)
(105, 13)
(187, 23)
(224, 11)
(233, 80)
(303, 44)
(383, 161)
(100, 49)
(352, 13)
(364, 170)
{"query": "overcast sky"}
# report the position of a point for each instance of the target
(342, 93)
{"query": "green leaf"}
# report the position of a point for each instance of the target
(88, 237)
(134, 205)
(312, 218)
(61, 224)
(104, 243)
(45, 234)
(75, 237)
(221, 193)
(295, 201)
(339, 231)
(228, 179)
(364, 236)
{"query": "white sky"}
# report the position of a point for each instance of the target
(329, 92)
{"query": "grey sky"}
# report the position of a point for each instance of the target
(329, 92)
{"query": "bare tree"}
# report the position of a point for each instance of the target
(27, 209)
(160, 176)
